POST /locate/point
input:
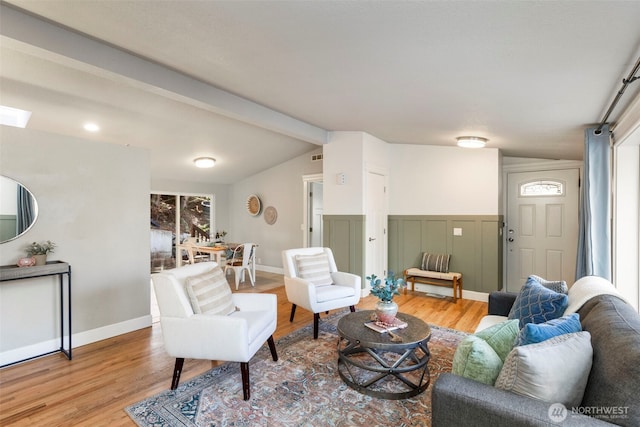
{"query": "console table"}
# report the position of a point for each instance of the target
(51, 268)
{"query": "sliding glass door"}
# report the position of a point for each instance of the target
(174, 219)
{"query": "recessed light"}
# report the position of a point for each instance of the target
(471, 141)
(91, 127)
(204, 162)
(15, 117)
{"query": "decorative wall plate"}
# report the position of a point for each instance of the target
(270, 215)
(253, 205)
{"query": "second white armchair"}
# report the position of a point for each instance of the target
(313, 282)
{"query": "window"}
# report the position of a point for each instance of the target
(541, 188)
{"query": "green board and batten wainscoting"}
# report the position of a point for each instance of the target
(345, 235)
(477, 253)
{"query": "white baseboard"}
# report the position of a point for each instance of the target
(445, 292)
(78, 339)
(269, 269)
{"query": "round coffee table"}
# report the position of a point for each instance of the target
(373, 364)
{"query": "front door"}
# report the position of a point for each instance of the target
(542, 225)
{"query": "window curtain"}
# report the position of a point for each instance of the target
(26, 210)
(594, 241)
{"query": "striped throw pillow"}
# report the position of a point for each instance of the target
(435, 262)
(210, 293)
(314, 268)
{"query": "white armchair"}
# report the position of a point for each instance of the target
(235, 337)
(312, 281)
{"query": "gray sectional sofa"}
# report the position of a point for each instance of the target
(612, 395)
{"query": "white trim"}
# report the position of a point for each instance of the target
(445, 292)
(306, 179)
(78, 339)
(628, 123)
(269, 269)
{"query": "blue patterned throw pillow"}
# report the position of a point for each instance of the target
(537, 304)
(534, 333)
(559, 286)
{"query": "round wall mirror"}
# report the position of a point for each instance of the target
(18, 209)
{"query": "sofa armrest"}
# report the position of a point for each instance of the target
(500, 303)
(458, 401)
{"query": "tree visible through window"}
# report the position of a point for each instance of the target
(192, 213)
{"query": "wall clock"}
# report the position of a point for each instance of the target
(270, 215)
(253, 205)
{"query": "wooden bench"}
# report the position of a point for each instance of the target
(450, 279)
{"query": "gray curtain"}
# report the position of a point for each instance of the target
(26, 210)
(594, 242)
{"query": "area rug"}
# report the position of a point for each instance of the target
(302, 388)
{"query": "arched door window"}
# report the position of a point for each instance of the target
(541, 188)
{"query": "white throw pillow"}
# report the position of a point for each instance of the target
(554, 371)
(314, 268)
(210, 293)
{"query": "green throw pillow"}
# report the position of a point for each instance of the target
(476, 360)
(501, 337)
(480, 357)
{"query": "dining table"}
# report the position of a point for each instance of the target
(217, 253)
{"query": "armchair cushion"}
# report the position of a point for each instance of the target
(435, 262)
(210, 293)
(314, 268)
(330, 293)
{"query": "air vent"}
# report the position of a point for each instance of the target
(316, 157)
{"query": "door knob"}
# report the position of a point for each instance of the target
(510, 239)
(371, 239)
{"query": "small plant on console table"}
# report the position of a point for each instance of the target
(386, 308)
(40, 250)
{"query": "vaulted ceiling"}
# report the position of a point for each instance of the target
(255, 83)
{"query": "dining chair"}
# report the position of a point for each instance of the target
(242, 260)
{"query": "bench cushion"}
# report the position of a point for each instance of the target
(432, 274)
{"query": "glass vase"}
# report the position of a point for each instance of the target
(386, 311)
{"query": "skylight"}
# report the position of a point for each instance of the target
(14, 117)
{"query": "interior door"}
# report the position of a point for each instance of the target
(376, 224)
(542, 225)
(315, 214)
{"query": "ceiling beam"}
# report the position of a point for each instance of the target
(81, 52)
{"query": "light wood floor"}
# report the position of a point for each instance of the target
(106, 376)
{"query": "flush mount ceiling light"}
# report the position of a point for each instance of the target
(91, 127)
(204, 162)
(15, 117)
(471, 141)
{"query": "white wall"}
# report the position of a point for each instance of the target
(436, 180)
(344, 153)
(93, 201)
(282, 188)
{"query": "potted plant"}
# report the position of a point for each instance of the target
(220, 236)
(40, 250)
(386, 308)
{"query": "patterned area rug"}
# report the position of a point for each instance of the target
(302, 388)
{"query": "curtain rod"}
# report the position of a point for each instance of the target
(625, 82)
